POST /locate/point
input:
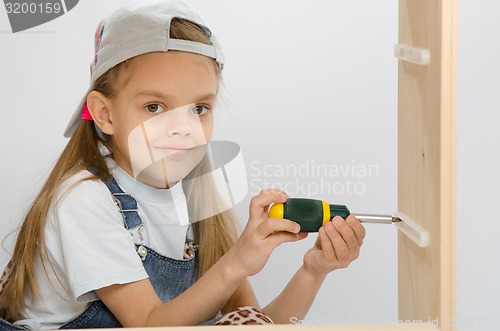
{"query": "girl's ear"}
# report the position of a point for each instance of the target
(98, 105)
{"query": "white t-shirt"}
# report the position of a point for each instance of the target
(90, 248)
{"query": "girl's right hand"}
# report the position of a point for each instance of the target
(262, 234)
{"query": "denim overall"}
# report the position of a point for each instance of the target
(168, 276)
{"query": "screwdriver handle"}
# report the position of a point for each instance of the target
(312, 214)
(309, 213)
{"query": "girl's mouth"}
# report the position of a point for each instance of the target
(174, 150)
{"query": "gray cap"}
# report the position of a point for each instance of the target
(140, 27)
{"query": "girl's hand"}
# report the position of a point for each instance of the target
(338, 244)
(262, 234)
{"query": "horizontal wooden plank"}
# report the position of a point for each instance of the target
(296, 327)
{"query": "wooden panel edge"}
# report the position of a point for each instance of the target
(448, 166)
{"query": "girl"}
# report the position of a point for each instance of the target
(107, 243)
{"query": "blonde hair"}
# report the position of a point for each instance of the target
(215, 235)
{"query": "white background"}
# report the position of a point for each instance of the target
(307, 84)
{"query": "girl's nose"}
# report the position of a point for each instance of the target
(180, 123)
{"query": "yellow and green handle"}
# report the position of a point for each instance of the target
(309, 213)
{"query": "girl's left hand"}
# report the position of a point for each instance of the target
(338, 244)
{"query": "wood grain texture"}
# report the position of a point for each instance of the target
(426, 161)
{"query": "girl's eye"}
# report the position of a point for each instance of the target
(154, 108)
(200, 110)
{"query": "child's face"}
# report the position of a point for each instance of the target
(162, 116)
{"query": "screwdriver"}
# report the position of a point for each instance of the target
(312, 214)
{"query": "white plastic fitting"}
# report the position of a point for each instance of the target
(412, 54)
(412, 230)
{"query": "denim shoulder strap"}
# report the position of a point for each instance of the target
(126, 204)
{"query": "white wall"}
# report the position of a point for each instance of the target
(307, 84)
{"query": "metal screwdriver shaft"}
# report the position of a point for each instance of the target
(383, 219)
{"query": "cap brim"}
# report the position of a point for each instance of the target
(76, 118)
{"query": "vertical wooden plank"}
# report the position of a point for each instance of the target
(426, 161)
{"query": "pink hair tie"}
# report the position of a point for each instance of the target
(86, 114)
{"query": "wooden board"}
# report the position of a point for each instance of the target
(310, 327)
(426, 161)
